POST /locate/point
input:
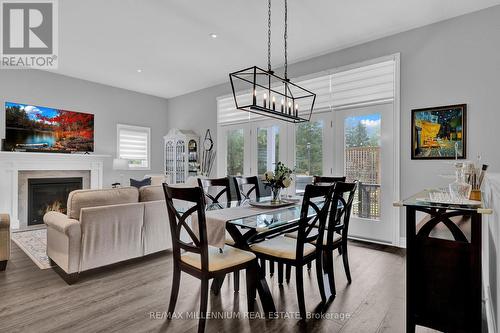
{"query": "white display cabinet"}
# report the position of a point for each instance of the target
(181, 149)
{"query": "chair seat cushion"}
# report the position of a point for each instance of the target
(336, 237)
(281, 247)
(230, 257)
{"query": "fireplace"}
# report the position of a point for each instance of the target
(49, 194)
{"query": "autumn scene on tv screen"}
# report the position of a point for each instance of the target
(36, 128)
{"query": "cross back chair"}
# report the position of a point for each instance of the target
(324, 180)
(205, 184)
(298, 252)
(196, 258)
(239, 182)
(336, 231)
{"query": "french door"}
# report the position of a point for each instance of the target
(252, 148)
(357, 143)
(364, 150)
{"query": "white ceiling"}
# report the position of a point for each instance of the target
(106, 41)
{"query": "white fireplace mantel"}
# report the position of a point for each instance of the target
(11, 163)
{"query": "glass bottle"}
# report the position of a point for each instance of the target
(459, 189)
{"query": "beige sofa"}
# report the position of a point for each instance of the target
(103, 227)
(4, 240)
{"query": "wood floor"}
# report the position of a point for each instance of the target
(133, 297)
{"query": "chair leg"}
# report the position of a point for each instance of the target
(288, 273)
(252, 275)
(176, 280)
(280, 274)
(217, 284)
(263, 266)
(328, 257)
(203, 305)
(323, 283)
(3, 265)
(346, 262)
(236, 277)
(271, 267)
(299, 280)
(340, 250)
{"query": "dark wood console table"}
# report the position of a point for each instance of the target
(443, 266)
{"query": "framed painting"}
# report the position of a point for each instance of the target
(439, 133)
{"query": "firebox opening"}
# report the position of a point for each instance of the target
(49, 194)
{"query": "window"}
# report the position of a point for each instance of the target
(235, 151)
(134, 145)
(268, 141)
(308, 152)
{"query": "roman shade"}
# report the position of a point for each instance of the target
(334, 89)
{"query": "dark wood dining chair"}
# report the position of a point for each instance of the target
(324, 180)
(252, 184)
(196, 257)
(337, 228)
(221, 184)
(224, 193)
(298, 252)
(317, 180)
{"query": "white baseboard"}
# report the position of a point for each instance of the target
(402, 242)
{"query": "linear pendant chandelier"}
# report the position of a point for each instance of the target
(271, 95)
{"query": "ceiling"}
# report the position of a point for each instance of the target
(107, 41)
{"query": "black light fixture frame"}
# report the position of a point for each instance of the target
(274, 85)
(251, 75)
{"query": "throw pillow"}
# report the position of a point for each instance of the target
(140, 183)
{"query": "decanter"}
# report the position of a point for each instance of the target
(459, 189)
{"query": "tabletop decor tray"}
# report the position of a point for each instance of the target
(271, 204)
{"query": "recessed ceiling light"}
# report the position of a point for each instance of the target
(213, 35)
(139, 70)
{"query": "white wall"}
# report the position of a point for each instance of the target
(450, 62)
(109, 105)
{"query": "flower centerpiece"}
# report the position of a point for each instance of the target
(277, 180)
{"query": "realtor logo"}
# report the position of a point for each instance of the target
(29, 34)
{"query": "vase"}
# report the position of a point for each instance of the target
(459, 189)
(275, 194)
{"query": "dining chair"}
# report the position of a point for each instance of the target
(324, 180)
(298, 252)
(196, 257)
(337, 228)
(253, 186)
(219, 183)
(317, 180)
(243, 194)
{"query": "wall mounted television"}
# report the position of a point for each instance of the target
(40, 129)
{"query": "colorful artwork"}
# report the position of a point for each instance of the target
(439, 132)
(36, 128)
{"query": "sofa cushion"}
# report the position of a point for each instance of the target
(94, 198)
(151, 193)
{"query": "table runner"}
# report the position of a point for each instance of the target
(216, 221)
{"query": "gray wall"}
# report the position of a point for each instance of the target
(109, 105)
(450, 62)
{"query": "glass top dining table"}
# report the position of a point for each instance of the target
(266, 220)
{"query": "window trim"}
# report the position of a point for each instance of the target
(142, 129)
